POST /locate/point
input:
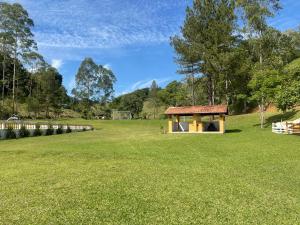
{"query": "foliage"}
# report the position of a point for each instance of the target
(59, 130)
(50, 130)
(37, 131)
(23, 132)
(132, 102)
(288, 91)
(16, 25)
(69, 130)
(93, 82)
(10, 133)
(202, 51)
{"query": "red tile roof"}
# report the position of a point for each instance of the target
(189, 110)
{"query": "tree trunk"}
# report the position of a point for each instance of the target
(3, 79)
(226, 95)
(213, 92)
(209, 90)
(14, 84)
(262, 113)
(193, 89)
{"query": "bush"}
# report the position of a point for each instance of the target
(49, 131)
(10, 133)
(59, 130)
(37, 131)
(24, 132)
(84, 129)
(68, 130)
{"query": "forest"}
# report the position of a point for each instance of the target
(227, 53)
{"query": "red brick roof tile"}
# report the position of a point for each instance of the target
(189, 110)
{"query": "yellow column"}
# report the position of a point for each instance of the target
(195, 122)
(177, 121)
(222, 124)
(170, 124)
(200, 125)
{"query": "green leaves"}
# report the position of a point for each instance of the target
(93, 83)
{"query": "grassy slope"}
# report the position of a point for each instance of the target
(128, 173)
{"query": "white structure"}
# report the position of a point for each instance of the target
(286, 127)
(31, 126)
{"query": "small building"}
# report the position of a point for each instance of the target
(197, 119)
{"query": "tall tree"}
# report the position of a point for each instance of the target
(93, 83)
(153, 97)
(49, 92)
(34, 61)
(6, 42)
(106, 83)
(256, 29)
(18, 24)
(207, 35)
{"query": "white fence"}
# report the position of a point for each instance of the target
(31, 126)
(286, 128)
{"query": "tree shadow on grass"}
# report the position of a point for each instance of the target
(279, 117)
(233, 131)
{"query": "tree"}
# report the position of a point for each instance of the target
(174, 94)
(206, 37)
(6, 42)
(93, 83)
(288, 91)
(153, 98)
(49, 91)
(263, 84)
(132, 102)
(260, 35)
(35, 61)
(17, 24)
(106, 83)
(86, 80)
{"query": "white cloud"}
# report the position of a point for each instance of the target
(107, 66)
(56, 63)
(66, 24)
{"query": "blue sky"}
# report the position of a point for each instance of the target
(129, 36)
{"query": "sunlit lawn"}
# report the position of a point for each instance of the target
(129, 173)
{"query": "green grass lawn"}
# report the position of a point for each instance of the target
(129, 173)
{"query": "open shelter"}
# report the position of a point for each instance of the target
(215, 124)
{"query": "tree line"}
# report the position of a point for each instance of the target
(226, 51)
(33, 88)
(230, 54)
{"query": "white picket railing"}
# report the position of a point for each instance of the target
(17, 125)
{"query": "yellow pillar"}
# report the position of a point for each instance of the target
(195, 122)
(177, 121)
(200, 125)
(222, 123)
(170, 124)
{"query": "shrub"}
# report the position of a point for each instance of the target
(37, 131)
(10, 133)
(68, 130)
(163, 130)
(84, 129)
(24, 132)
(59, 130)
(49, 131)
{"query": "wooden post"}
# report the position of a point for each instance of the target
(170, 124)
(222, 123)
